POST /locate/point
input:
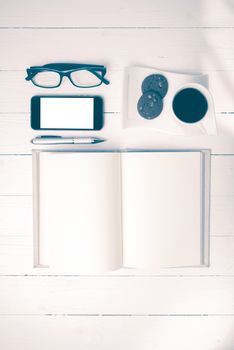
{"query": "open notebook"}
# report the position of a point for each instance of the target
(99, 211)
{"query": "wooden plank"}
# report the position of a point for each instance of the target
(222, 220)
(15, 135)
(16, 179)
(16, 254)
(19, 182)
(222, 195)
(208, 13)
(17, 89)
(119, 332)
(16, 258)
(15, 216)
(16, 249)
(222, 168)
(15, 175)
(110, 295)
(190, 50)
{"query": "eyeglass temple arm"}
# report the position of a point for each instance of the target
(30, 74)
(104, 80)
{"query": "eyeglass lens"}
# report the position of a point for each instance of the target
(84, 78)
(81, 78)
(47, 79)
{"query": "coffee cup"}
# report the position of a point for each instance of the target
(190, 104)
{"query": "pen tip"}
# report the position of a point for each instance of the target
(98, 140)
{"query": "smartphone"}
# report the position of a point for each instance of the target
(66, 112)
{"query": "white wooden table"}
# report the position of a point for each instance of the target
(168, 309)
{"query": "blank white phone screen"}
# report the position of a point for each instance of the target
(67, 113)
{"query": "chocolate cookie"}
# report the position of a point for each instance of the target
(150, 105)
(155, 82)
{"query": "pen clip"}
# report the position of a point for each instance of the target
(48, 136)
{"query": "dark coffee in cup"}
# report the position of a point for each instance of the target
(190, 105)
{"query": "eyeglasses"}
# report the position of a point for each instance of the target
(80, 75)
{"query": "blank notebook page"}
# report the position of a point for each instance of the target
(161, 209)
(79, 210)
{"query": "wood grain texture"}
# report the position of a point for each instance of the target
(18, 90)
(15, 135)
(187, 36)
(15, 175)
(16, 235)
(16, 259)
(19, 181)
(191, 50)
(40, 295)
(104, 13)
(119, 332)
(185, 51)
(15, 215)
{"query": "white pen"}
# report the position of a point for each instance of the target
(56, 140)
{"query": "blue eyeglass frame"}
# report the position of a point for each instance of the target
(65, 70)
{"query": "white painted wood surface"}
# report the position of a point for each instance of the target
(119, 332)
(130, 13)
(39, 295)
(164, 309)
